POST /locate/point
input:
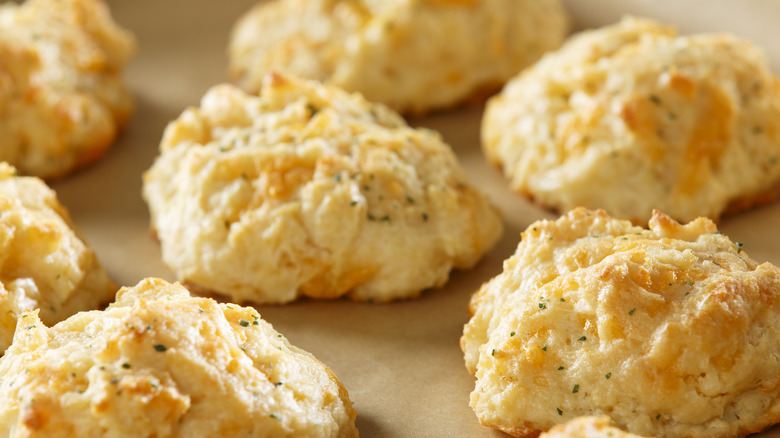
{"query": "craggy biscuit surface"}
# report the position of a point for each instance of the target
(632, 117)
(160, 363)
(44, 261)
(62, 100)
(307, 190)
(671, 331)
(587, 427)
(412, 55)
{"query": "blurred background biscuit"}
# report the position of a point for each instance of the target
(62, 99)
(412, 55)
(632, 117)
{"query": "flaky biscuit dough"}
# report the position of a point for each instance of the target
(412, 55)
(587, 427)
(671, 331)
(44, 261)
(160, 363)
(309, 190)
(632, 117)
(62, 100)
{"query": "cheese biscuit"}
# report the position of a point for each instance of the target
(62, 99)
(159, 363)
(633, 117)
(412, 55)
(310, 191)
(670, 331)
(45, 263)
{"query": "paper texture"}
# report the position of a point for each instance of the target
(400, 362)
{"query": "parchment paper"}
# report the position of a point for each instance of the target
(400, 362)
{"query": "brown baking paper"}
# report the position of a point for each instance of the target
(400, 362)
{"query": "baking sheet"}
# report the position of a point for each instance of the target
(400, 362)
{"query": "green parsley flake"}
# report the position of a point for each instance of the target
(126, 365)
(160, 347)
(560, 412)
(576, 388)
(631, 312)
(560, 368)
(739, 247)
(511, 334)
(582, 338)
(243, 322)
(544, 348)
(608, 375)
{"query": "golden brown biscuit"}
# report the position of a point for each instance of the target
(671, 331)
(160, 363)
(412, 55)
(62, 100)
(587, 427)
(307, 190)
(44, 261)
(632, 117)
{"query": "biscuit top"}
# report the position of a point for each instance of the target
(691, 122)
(158, 362)
(44, 261)
(60, 87)
(309, 190)
(668, 330)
